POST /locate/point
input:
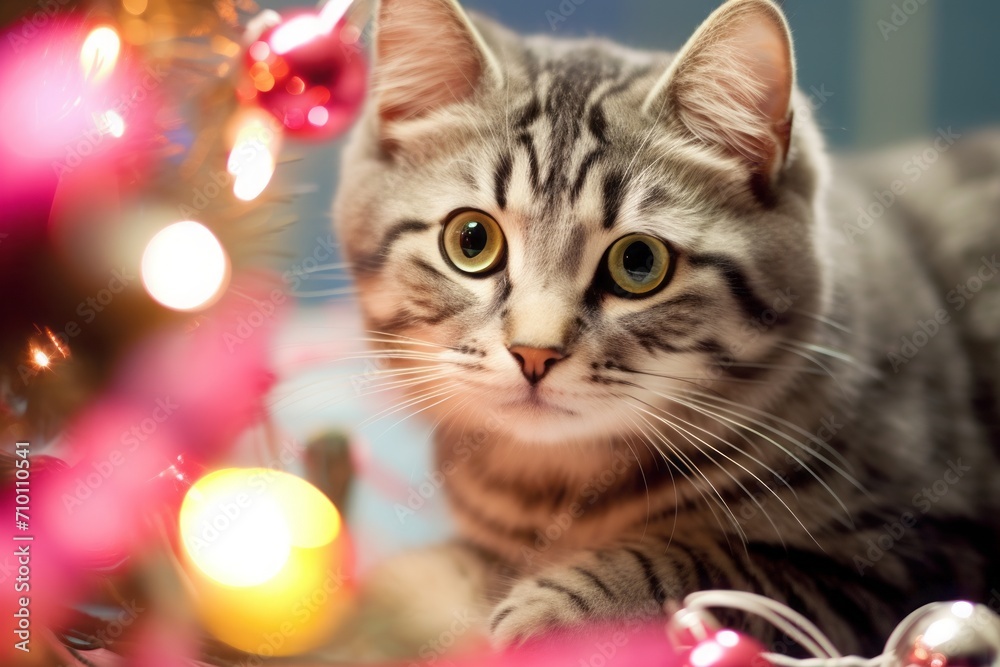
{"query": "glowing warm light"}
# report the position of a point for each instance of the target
(235, 539)
(100, 53)
(184, 267)
(239, 525)
(940, 631)
(56, 96)
(280, 68)
(313, 521)
(706, 654)
(322, 94)
(318, 116)
(110, 122)
(57, 343)
(295, 32)
(134, 6)
(303, 29)
(255, 173)
(252, 160)
(40, 358)
(962, 609)
(262, 76)
(259, 51)
(257, 543)
(727, 638)
(332, 12)
(225, 47)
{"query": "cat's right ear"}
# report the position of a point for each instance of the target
(731, 85)
(428, 56)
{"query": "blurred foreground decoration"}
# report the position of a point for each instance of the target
(268, 558)
(308, 71)
(138, 229)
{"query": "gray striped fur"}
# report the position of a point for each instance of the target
(749, 426)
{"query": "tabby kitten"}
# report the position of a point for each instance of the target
(625, 287)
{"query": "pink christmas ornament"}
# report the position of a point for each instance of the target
(309, 72)
(725, 648)
(96, 511)
(632, 644)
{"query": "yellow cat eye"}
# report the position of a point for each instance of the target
(638, 264)
(473, 242)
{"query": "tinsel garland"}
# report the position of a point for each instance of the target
(83, 318)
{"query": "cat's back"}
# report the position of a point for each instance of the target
(938, 198)
(943, 192)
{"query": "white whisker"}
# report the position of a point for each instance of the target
(799, 461)
(685, 433)
(431, 394)
(834, 354)
(717, 500)
(824, 320)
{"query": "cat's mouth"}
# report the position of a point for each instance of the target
(533, 402)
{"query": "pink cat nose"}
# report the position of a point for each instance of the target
(535, 362)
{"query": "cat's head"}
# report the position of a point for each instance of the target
(569, 236)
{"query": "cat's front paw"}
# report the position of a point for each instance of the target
(536, 607)
(612, 586)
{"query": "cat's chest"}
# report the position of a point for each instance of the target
(531, 514)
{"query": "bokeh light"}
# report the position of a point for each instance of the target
(725, 648)
(941, 631)
(73, 105)
(184, 267)
(303, 72)
(297, 31)
(318, 116)
(252, 160)
(236, 537)
(41, 359)
(111, 122)
(260, 544)
(253, 172)
(100, 53)
(727, 638)
(706, 654)
(259, 51)
(135, 7)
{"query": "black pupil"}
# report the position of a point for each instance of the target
(638, 261)
(472, 239)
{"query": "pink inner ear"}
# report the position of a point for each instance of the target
(427, 58)
(772, 65)
(732, 87)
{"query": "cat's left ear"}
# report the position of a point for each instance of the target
(731, 85)
(428, 55)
